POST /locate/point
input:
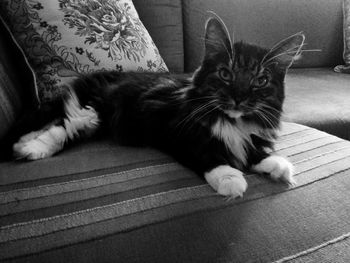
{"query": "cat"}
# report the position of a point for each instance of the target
(219, 122)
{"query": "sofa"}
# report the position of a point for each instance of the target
(101, 202)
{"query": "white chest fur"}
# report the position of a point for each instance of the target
(237, 136)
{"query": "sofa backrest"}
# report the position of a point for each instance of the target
(163, 20)
(265, 22)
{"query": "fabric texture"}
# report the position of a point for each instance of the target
(265, 22)
(10, 104)
(17, 87)
(326, 252)
(346, 39)
(66, 38)
(99, 202)
(316, 97)
(163, 20)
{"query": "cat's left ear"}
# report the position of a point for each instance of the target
(285, 52)
(217, 39)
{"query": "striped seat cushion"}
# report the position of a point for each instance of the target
(98, 197)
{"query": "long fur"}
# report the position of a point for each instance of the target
(220, 119)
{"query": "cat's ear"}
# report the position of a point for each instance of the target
(285, 52)
(217, 39)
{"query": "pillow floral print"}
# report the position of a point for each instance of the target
(66, 38)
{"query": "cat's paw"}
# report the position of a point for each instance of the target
(30, 136)
(279, 169)
(227, 181)
(40, 144)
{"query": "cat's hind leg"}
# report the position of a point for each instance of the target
(77, 121)
(40, 144)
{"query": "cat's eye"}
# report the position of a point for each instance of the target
(262, 81)
(225, 74)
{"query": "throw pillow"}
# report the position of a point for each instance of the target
(66, 38)
(346, 35)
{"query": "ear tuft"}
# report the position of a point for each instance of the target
(217, 39)
(285, 52)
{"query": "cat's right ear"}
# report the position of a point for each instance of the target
(285, 52)
(217, 40)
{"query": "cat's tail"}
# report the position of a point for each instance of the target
(44, 131)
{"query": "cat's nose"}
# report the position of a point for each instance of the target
(240, 105)
(237, 96)
(237, 102)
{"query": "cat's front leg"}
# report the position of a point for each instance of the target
(227, 181)
(279, 169)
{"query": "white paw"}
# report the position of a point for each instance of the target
(40, 144)
(30, 136)
(227, 181)
(278, 168)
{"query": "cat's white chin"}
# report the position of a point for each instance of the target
(233, 114)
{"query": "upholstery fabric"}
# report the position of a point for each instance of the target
(265, 22)
(17, 88)
(98, 201)
(318, 98)
(346, 39)
(163, 20)
(66, 38)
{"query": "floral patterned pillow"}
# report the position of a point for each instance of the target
(346, 32)
(65, 38)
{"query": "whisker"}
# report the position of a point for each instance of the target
(194, 99)
(264, 118)
(263, 105)
(267, 116)
(265, 111)
(290, 51)
(196, 111)
(208, 109)
(286, 52)
(274, 47)
(310, 50)
(205, 114)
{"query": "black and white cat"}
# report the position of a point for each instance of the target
(219, 122)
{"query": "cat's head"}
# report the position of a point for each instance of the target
(243, 80)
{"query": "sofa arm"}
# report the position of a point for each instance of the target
(17, 81)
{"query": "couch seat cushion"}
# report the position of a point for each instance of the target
(319, 98)
(100, 202)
